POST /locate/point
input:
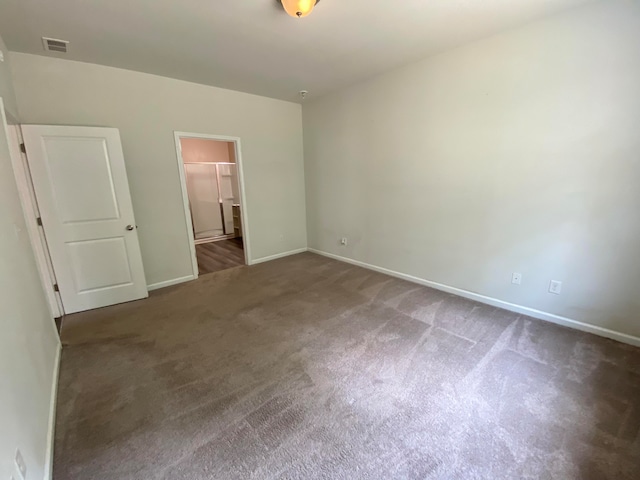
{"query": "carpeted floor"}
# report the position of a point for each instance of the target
(307, 368)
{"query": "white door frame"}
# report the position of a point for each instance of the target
(185, 197)
(31, 214)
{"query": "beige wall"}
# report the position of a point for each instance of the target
(205, 150)
(147, 109)
(517, 153)
(28, 341)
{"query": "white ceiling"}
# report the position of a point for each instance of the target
(252, 45)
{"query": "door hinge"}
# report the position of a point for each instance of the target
(39, 220)
(23, 149)
(55, 287)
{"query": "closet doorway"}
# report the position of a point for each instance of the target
(212, 189)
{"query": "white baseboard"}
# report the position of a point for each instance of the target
(48, 461)
(278, 255)
(549, 317)
(168, 283)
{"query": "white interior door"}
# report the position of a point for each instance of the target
(82, 191)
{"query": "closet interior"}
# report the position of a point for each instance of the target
(213, 189)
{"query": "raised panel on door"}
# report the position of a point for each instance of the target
(81, 186)
(99, 263)
(72, 159)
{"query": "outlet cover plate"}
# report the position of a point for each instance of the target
(555, 287)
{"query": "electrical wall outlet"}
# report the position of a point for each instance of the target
(516, 278)
(555, 287)
(343, 241)
(20, 463)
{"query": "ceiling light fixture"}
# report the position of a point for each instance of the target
(298, 8)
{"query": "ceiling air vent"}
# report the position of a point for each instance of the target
(55, 45)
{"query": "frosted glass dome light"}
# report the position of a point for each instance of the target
(298, 8)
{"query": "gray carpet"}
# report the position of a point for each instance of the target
(307, 368)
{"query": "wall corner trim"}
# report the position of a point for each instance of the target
(549, 317)
(278, 255)
(168, 283)
(48, 460)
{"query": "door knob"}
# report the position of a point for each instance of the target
(129, 227)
